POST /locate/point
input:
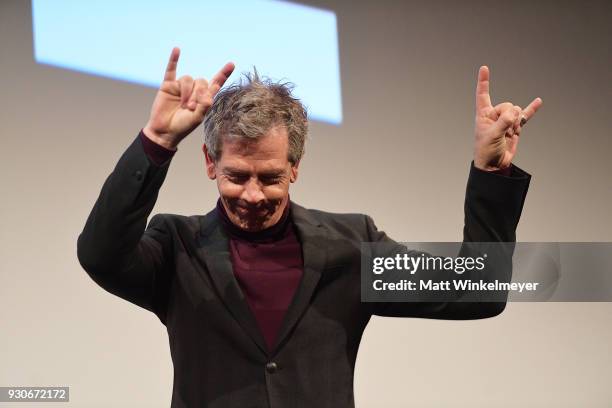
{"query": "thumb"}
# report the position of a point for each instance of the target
(506, 120)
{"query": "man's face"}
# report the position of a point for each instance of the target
(253, 178)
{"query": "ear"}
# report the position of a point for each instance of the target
(294, 172)
(211, 170)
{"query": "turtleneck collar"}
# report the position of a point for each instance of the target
(273, 233)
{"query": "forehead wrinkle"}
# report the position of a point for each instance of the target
(255, 151)
(249, 163)
(266, 171)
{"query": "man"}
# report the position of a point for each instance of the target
(261, 297)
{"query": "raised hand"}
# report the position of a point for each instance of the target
(497, 128)
(180, 105)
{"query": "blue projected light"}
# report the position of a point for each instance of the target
(132, 40)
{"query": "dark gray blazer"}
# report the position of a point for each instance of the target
(179, 268)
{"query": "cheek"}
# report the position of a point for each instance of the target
(234, 191)
(276, 192)
(227, 189)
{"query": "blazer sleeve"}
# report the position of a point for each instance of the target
(493, 206)
(115, 249)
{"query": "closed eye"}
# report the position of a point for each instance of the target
(238, 179)
(270, 180)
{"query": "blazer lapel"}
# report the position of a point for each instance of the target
(314, 253)
(214, 245)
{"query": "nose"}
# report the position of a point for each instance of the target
(252, 192)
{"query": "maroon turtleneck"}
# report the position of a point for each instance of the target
(267, 264)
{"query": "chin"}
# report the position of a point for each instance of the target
(249, 225)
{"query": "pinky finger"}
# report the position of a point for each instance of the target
(531, 109)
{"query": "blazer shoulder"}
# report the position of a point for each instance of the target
(176, 222)
(347, 225)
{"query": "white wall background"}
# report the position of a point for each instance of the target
(402, 156)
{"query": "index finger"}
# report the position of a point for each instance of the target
(170, 74)
(483, 99)
(220, 77)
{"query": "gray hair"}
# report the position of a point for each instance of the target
(248, 109)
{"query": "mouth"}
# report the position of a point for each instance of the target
(249, 216)
(251, 212)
